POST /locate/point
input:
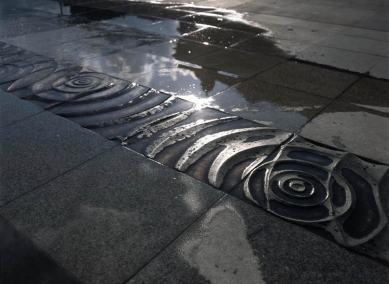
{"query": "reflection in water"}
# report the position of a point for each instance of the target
(221, 252)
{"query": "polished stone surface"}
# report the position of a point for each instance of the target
(22, 262)
(235, 241)
(187, 81)
(270, 104)
(240, 63)
(369, 93)
(40, 148)
(344, 59)
(128, 64)
(359, 130)
(13, 109)
(308, 78)
(109, 217)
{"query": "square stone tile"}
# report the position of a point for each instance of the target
(377, 21)
(22, 262)
(369, 93)
(237, 62)
(272, 47)
(308, 78)
(128, 64)
(108, 218)
(190, 82)
(178, 49)
(104, 44)
(351, 128)
(173, 27)
(381, 69)
(237, 242)
(217, 36)
(45, 41)
(343, 59)
(38, 149)
(269, 104)
(357, 44)
(367, 33)
(342, 16)
(13, 109)
(293, 33)
(133, 21)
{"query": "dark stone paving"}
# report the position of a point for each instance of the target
(230, 108)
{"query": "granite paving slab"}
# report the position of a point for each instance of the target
(271, 105)
(40, 148)
(127, 64)
(362, 131)
(191, 82)
(369, 93)
(22, 262)
(381, 69)
(343, 59)
(13, 109)
(218, 36)
(308, 78)
(237, 242)
(237, 62)
(179, 49)
(107, 218)
(264, 45)
(357, 44)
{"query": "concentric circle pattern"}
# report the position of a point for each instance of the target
(317, 186)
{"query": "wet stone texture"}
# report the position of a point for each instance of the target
(201, 91)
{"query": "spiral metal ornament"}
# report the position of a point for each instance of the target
(312, 185)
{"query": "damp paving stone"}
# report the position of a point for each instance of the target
(270, 46)
(190, 82)
(23, 262)
(369, 93)
(46, 42)
(237, 62)
(236, 241)
(218, 36)
(13, 109)
(134, 21)
(206, 19)
(30, 15)
(93, 220)
(343, 59)
(178, 49)
(104, 44)
(59, 8)
(377, 21)
(38, 149)
(357, 44)
(344, 16)
(308, 78)
(351, 128)
(381, 69)
(128, 64)
(173, 27)
(269, 104)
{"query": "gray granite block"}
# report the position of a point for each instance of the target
(22, 262)
(13, 109)
(359, 130)
(39, 148)
(308, 78)
(109, 217)
(236, 242)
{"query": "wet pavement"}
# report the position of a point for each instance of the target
(212, 142)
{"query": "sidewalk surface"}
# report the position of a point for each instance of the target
(211, 142)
